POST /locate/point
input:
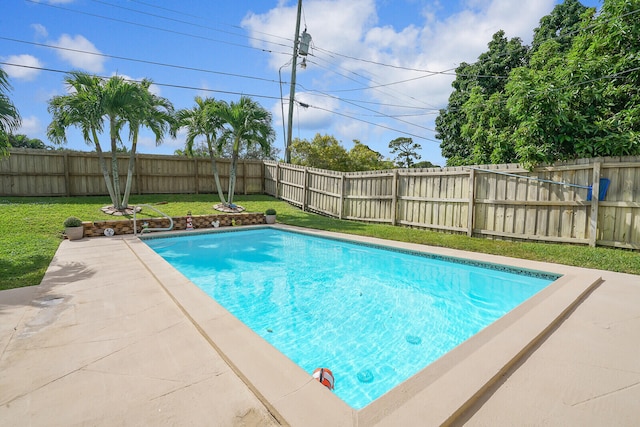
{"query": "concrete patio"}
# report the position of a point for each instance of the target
(102, 342)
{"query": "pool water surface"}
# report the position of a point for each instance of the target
(372, 315)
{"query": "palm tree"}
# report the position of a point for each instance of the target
(9, 117)
(246, 122)
(203, 120)
(91, 101)
(153, 112)
(120, 102)
(81, 108)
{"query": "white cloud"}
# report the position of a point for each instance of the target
(73, 50)
(352, 28)
(40, 30)
(27, 67)
(30, 126)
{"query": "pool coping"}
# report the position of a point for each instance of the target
(436, 395)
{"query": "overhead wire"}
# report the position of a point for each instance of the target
(192, 24)
(328, 52)
(166, 30)
(142, 61)
(171, 85)
(178, 12)
(372, 123)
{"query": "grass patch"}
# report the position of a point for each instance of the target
(32, 230)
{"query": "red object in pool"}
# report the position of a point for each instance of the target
(324, 376)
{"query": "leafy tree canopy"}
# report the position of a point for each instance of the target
(326, 152)
(9, 116)
(574, 93)
(23, 141)
(323, 152)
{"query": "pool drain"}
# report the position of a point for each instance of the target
(412, 339)
(365, 376)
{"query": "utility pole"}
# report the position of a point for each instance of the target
(292, 90)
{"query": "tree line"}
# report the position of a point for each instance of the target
(574, 93)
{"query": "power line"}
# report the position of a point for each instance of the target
(166, 30)
(373, 124)
(377, 88)
(190, 69)
(385, 115)
(178, 12)
(142, 61)
(191, 23)
(153, 82)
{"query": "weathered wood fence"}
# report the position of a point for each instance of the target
(550, 204)
(69, 173)
(501, 201)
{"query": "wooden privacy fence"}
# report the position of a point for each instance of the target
(502, 201)
(68, 173)
(549, 204)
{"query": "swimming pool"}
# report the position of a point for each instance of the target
(373, 316)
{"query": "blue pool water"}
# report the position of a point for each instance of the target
(374, 316)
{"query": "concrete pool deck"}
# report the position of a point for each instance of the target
(113, 336)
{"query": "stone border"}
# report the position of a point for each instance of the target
(125, 226)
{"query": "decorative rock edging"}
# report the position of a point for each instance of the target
(125, 226)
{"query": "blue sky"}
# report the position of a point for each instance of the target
(377, 69)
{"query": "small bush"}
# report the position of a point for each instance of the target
(270, 211)
(72, 221)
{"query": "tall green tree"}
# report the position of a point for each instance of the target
(515, 108)
(9, 116)
(203, 119)
(406, 151)
(481, 79)
(247, 124)
(322, 152)
(581, 102)
(561, 25)
(90, 102)
(363, 158)
(81, 108)
(153, 112)
(326, 152)
(603, 78)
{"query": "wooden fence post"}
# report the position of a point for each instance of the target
(394, 197)
(341, 204)
(277, 178)
(196, 174)
(137, 172)
(472, 198)
(305, 187)
(244, 177)
(595, 200)
(67, 182)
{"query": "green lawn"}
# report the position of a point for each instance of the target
(31, 230)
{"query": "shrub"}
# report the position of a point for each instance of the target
(270, 211)
(72, 221)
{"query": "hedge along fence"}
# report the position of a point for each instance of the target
(68, 173)
(499, 201)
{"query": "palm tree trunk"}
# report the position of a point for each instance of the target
(105, 170)
(216, 175)
(132, 161)
(232, 175)
(115, 175)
